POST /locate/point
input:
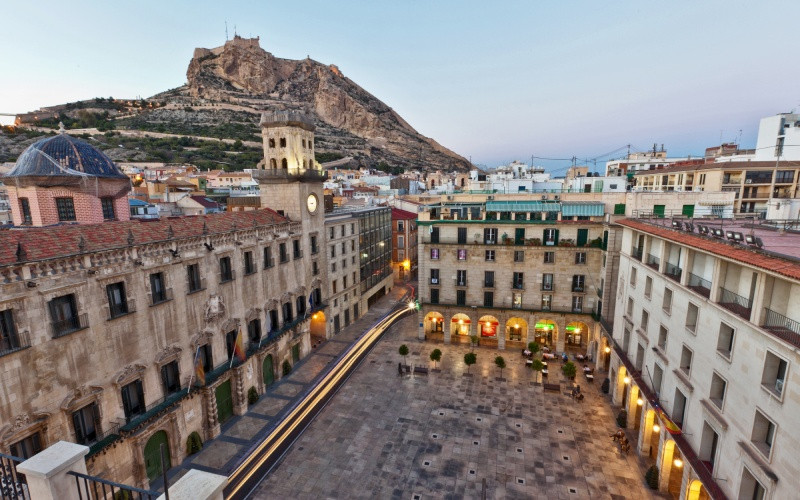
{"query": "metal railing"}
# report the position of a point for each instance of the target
(735, 303)
(488, 284)
(548, 287)
(578, 288)
(13, 485)
(69, 325)
(783, 326)
(295, 174)
(653, 261)
(461, 282)
(700, 285)
(117, 310)
(164, 296)
(636, 253)
(673, 271)
(517, 285)
(14, 343)
(94, 488)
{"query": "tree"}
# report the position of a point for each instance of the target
(500, 363)
(473, 340)
(533, 347)
(470, 359)
(537, 366)
(436, 356)
(569, 370)
(403, 352)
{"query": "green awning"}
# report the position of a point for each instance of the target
(582, 209)
(522, 206)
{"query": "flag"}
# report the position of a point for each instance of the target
(311, 301)
(238, 348)
(671, 426)
(199, 371)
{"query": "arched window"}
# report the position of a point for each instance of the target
(304, 144)
(284, 163)
(272, 143)
(273, 163)
(283, 142)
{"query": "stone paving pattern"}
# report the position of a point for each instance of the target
(441, 435)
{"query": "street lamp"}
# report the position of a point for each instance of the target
(627, 380)
(656, 428)
(607, 350)
(678, 463)
(640, 401)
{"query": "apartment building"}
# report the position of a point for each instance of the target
(702, 353)
(404, 244)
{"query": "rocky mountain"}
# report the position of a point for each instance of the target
(241, 76)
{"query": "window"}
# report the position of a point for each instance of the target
(488, 279)
(158, 289)
(489, 255)
(434, 235)
(434, 295)
(686, 360)
(462, 235)
(344, 281)
(547, 302)
(64, 313)
(344, 248)
(283, 142)
(518, 280)
(254, 331)
(691, 317)
(272, 143)
(679, 408)
(133, 399)
(204, 355)
(352, 245)
(193, 275)
(400, 226)
(658, 376)
(549, 257)
(401, 242)
(516, 300)
(225, 271)
(461, 254)
(297, 252)
(283, 255)
(335, 284)
(25, 208)
(519, 256)
(108, 208)
(750, 488)
(648, 287)
(578, 283)
(763, 433)
(488, 299)
(27, 447)
(331, 231)
(550, 236)
(717, 393)
(666, 304)
(461, 277)
(314, 247)
(619, 209)
(66, 209)
(117, 303)
(300, 304)
(434, 276)
(662, 338)
(461, 297)
(434, 254)
(9, 340)
(547, 282)
(249, 265)
(774, 374)
(490, 236)
(580, 257)
(709, 440)
(629, 310)
(633, 277)
(725, 340)
(268, 260)
(86, 422)
(170, 378)
(577, 303)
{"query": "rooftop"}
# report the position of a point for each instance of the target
(727, 165)
(64, 156)
(402, 214)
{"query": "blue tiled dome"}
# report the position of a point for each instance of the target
(64, 156)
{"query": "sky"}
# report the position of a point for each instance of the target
(493, 81)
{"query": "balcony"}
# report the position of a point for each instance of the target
(636, 253)
(293, 175)
(155, 409)
(69, 325)
(121, 309)
(700, 285)
(517, 285)
(578, 288)
(461, 282)
(673, 271)
(15, 342)
(735, 303)
(434, 281)
(488, 284)
(783, 327)
(653, 261)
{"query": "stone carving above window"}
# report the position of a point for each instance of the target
(215, 308)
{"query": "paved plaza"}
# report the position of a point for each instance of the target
(446, 434)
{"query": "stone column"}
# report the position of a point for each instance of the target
(197, 485)
(212, 427)
(239, 392)
(561, 327)
(46, 472)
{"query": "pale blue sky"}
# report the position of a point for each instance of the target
(496, 81)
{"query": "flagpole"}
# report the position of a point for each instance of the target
(196, 353)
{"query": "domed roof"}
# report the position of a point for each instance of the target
(64, 156)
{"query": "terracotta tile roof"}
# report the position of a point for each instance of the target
(42, 243)
(205, 202)
(753, 257)
(726, 165)
(402, 214)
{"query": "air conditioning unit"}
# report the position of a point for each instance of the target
(490, 197)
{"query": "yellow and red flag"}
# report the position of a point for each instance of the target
(238, 347)
(199, 371)
(671, 426)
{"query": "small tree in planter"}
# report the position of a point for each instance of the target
(470, 359)
(605, 386)
(436, 356)
(533, 347)
(252, 396)
(193, 443)
(473, 340)
(622, 418)
(569, 370)
(286, 367)
(500, 362)
(651, 477)
(537, 366)
(403, 352)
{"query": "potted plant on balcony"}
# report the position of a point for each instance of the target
(566, 242)
(534, 242)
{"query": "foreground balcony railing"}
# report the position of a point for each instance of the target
(653, 261)
(14, 342)
(69, 325)
(735, 303)
(636, 253)
(785, 328)
(673, 271)
(700, 285)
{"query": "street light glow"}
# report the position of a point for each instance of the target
(656, 428)
(627, 380)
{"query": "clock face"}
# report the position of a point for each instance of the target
(311, 203)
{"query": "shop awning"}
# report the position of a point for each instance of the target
(522, 206)
(582, 208)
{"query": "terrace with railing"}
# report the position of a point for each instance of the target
(699, 285)
(673, 271)
(13, 485)
(735, 303)
(653, 261)
(782, 326)
(92, 488)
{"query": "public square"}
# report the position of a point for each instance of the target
(446, 434)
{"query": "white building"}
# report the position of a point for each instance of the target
(779, 137)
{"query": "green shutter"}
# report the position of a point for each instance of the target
(688, 210)
(605, 240)
(619, 209)
(658, 210)
(583, 237)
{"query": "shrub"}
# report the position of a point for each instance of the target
(533, 347)
(123, 495)
(473, 339)
(569, 369)
(622, 418)
(286, 367)
(605, 386)
(470, 359)
(193, 443)
(436, 356)
(651, 477)
(403, 351)
(500, 362)
(252, 396)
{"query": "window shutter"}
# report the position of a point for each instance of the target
(140, 391)
(96, 416)
(556, 236)
(126, 400)
(76, 424)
